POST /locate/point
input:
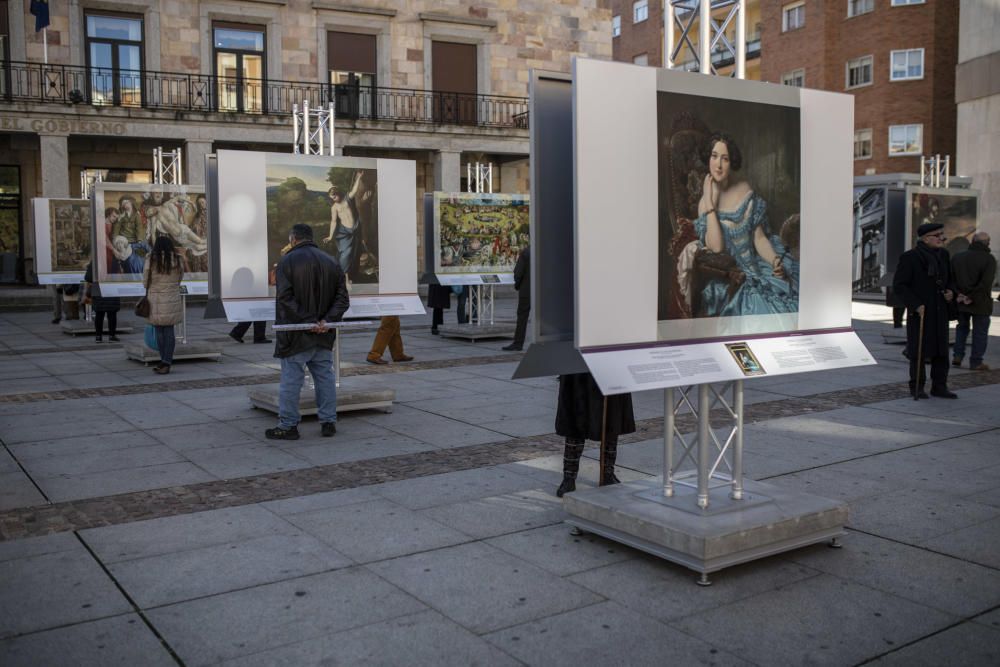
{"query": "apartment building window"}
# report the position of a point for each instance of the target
(616, 26)
(353, 67)
(902, 3)
(640, 11)
(906, 65)
(796, 77)
(906, 140)
(862, 144)
(793, 16)
(858, 7)
(455, 81)
(859, 72)
(4, 48)
(239, 66)
(641, 59)
(114, 58)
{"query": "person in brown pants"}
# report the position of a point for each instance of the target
(388, 336)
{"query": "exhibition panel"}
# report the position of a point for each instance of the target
(478, 237)
(62, 239)
(955, 208)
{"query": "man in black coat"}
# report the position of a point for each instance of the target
(311, 289)
(974, 271)
(522, 283)
(923, 283)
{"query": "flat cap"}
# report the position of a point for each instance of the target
(928, 227)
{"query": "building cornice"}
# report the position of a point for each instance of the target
(352, 9)
(461, 20)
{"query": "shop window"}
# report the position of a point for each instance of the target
(11, 233)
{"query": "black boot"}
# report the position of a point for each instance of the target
(610, 455)
(571, 466)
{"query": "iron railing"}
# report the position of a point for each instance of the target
(71, 84)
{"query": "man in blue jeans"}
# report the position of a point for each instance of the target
(975, 270)
(311, 289)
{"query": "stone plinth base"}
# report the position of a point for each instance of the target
(182, 351)
(265, 397)
(768, 521)
(83, 327)
(476, 331)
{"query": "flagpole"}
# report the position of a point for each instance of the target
(45, 45)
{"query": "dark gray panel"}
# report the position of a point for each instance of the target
(428, 276)
(213, 309)
(554, 358)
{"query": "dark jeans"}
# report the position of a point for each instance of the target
(259, 330)
(523, 308)
(437, 317)
(980, 336)
(939, 373)
(165, 341)
(112, 322)
(463, 298)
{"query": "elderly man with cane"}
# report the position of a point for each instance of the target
(923, 283)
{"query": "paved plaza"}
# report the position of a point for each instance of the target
(145, 519)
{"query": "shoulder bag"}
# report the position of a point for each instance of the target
(142, 307)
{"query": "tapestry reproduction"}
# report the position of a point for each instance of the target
(729, 203)
(69, 234)
(479, 232)
(339, 203)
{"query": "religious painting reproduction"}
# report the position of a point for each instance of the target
(729, 203)
(69, 234)
(746, 359)
(869, 248)
(134, 216)
(956, 209)
(478, 232)
(339, 203)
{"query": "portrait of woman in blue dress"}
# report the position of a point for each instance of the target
(733, 220)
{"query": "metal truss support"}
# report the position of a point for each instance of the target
(934, 170)
(167, 167)
(712, 463)
(88, 181)
(713, 19)
(479, 176)
(313, 129)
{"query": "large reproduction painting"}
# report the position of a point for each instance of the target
(130, 219)
(729, 212)
(339, 203)
(62, 239)
(956, 208)
(478, 233)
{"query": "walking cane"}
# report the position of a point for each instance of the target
(920, 359)
(604, 437)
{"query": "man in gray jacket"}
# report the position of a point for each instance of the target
(975, 270)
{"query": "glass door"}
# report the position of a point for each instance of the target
(114, 59)
(354, 93)
(239, 68)
(11, 250)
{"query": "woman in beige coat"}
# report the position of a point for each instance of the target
(162, 276)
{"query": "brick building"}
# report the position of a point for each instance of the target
(436, 81)
(897, 57)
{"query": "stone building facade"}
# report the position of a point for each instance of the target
(897, 57)
(440, 82)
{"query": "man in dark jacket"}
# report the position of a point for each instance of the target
(522, 283)
(311, 289)
(974, 271)
(923, 283)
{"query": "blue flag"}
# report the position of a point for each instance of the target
(40, 10)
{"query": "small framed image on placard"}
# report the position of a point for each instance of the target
(745, 359)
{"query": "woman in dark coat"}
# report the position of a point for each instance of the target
(438, 300)
(104, 306)
(580, 415)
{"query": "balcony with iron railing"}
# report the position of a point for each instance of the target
(168, 91)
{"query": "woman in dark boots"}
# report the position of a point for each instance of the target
(580, 415)
(104, 306)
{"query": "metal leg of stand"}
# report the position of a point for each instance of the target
(336, 361)
(737, 493)
(492, 302)
(184, 319)
(704, 440)
(668, 442)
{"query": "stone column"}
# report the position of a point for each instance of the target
(54, 151)
(193, 157)
(448, 171)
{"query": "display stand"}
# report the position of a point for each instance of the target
(167, 170)
(265, 397)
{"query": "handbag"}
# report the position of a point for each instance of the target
(142, 306)
(149, 338)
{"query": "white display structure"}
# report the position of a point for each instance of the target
(499, 236)
(618, 224)
(247, 236)
(179, 211)
(45, 212)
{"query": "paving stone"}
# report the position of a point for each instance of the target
(497, 515)
(606, 634)
(75, 445)
(28, 428)
(200, 436)
(454, 487)
(120, 640)
(424, 638)
(989, 619)
(108, 483)
(333, 451)
(821, 620)
(553, 548)
(244, 460)
(17, 490)
(917, 516)
(38, 546)
(376, 530)
(979, 543)
(53, 589)
(123, 460)
(241, 623)
(320, 501)
(966, 644)
(457, 579)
